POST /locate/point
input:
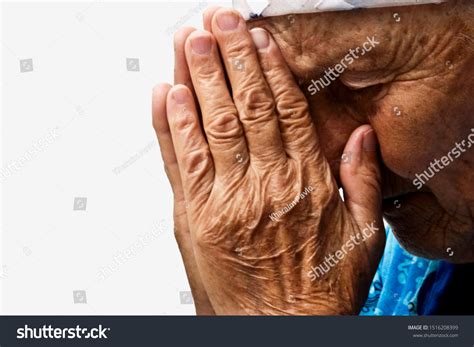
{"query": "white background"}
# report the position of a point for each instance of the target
(81, 87)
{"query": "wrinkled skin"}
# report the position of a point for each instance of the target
(424, 67)
(411, 64)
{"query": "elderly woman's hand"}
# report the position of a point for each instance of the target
(269, 231)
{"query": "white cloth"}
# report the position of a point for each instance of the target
(283, 7)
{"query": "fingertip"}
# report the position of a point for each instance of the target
(261, 38)
(227, 20)
(359, 134)
(369, 143)
(360, 151)
(199, 43)
(179, 95)
(160, 88)
(208, 15)
(355, 144)
(181, 35)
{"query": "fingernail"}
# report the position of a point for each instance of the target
(180, 95)
(201, 44)
(370, 141)
(260, 38)
(227, 21)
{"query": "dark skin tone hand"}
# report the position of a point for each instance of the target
(261, 150)
(426, 222)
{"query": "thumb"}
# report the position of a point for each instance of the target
(361, 180)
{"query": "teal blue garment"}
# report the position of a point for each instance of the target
(396, 285)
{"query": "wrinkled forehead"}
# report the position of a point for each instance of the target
(271, 8)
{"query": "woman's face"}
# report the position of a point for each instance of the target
(414, 86)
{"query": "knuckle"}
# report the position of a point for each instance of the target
(325, 194)
(183, 121)
(213, 234)
(224, 126)
(238, 49)
(197, 161)
(220, 108)
(291, 104)
(328, 196)
(256, 101)
(295, 107)
(275, 73)
(202, 240)
(208, 72)
(207, 240)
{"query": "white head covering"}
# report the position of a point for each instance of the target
(282, 7)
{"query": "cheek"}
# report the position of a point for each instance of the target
(407, 143)
(398, 153)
